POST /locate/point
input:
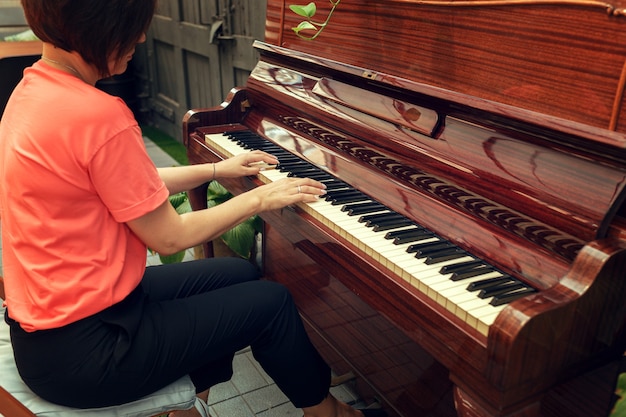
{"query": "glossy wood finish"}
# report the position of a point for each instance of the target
(12, 49)
(428, 122)
(561, 59)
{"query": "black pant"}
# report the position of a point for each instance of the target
(187, 318)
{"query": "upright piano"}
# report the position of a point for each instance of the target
(470, 258)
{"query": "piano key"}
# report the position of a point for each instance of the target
(501, 289)
(360, 208)
(301, 173)
(344, 191)
(381, 226)
(380, 216)
(490, 282)
(334, 186)
(503, 299)
(444, 277)
(427, 247)
(444, 255)
(415, 234)
(462, 267)
(318, 176)
(458, 276)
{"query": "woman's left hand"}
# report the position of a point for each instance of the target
(249, 163)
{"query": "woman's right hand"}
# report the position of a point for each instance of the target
(286, 192)
(167, 232)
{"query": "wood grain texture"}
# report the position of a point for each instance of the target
(558, 59)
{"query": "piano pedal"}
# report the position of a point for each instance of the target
(341, 379)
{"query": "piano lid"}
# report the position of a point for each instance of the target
(561, 58)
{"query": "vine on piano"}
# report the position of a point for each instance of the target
(308, 12)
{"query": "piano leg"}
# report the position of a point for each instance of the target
(466, 406)
(197, 199)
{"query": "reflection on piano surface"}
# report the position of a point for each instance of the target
(469, 258)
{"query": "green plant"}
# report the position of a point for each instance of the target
(308, 12)
(240, 239)
(620, 406)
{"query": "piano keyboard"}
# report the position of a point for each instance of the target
(465, 285)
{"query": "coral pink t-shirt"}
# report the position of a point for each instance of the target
(73, 170)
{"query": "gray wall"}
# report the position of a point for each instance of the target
(196, 51)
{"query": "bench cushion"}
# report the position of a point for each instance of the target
(179, 395)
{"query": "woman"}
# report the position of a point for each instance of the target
(80, 201)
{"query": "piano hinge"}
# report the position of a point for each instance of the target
(370, 75)
(245, 105)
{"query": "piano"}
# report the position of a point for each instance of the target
(470, 258)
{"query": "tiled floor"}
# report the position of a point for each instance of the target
(251, 392)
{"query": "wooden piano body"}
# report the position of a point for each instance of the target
(497, 125)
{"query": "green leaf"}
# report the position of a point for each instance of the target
(184, 207)
(620, 406)
(178, 199)
(304, 26)
(241, 238)
(172, 259)
(217, 194)
(257, 223)
(304, 11)
(216, 191)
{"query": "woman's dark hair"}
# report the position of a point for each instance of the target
(96, 29)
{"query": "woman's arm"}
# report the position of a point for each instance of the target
(168, 232)
(185, 178)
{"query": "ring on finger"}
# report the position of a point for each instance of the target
(299, 189)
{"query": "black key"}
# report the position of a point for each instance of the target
(416, 234)
(319, 176)
(420, 248)
(380, 226)
(489, 282)
(290, 166)
(511, 296)
(462, 266)
(458, 276)
(348, 198)
(302, 173)
(362, 208)
(347, 190)
(304, 167)
(380, 216)
(286, 165)
(335, 186)
(444, 255)
(500, 289)
(336, 195)
(401, 233)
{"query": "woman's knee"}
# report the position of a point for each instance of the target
(240, 269)
(227, 270)
(274, 297)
